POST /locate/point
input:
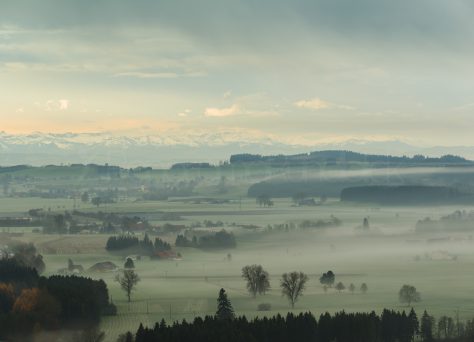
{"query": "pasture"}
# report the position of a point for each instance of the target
(384, 258)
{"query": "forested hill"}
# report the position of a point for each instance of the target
(335, 156)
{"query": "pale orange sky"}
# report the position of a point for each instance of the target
(302, 71)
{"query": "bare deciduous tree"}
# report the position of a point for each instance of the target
(257, 279)
(127, 280)
(292, 285)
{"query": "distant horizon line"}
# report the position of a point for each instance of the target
(209, 164)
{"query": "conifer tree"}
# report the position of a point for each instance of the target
(224, 307)
(414, 324)
(426, 328)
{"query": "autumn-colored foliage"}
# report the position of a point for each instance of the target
(27, 301)
(37, 301)
(7, 297)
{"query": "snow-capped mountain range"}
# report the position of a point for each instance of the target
(162, 150)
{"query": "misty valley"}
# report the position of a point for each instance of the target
(144, 246)
(236, 171)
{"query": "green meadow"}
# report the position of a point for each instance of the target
(386, 257)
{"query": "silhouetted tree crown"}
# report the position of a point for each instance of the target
(292, 286)
(224, 307)
(257, 279)
(408, 294)
(328, 278)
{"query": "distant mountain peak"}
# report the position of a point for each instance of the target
(167, 148)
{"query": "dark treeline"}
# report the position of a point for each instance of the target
(85, 170)
(82, 299)
(30, 303)
(405, 195)
(221, 239)
(328, 185)
(163, 192)
(390, 326)
(128, 242)
(12, 272)
(333, 156)
(17, 222)
(184, 166)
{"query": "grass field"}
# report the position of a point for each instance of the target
(383, 258)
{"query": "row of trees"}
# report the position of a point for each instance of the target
(116, 243)
(341, 287)
(258, 282)
(264, 200)
(293, 284)
(335, 156)
(221, 239)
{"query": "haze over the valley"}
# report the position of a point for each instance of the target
(236, 171)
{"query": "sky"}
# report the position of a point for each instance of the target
(303, 71)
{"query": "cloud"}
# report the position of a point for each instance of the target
(148, 74)
(315, 104)
(318, 104)
(63, 104)
(221, 112)
(53, 105)
(184, 113)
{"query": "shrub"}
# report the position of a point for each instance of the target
(264, 307)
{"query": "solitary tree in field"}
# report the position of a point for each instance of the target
(292, 285)
(129, 264)
(340, 287)
(328, 278)
(96, 201)
(224, 306)
(257, 279)
(128, 280)
(363, 288)
(352, 288)
(408, 294)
